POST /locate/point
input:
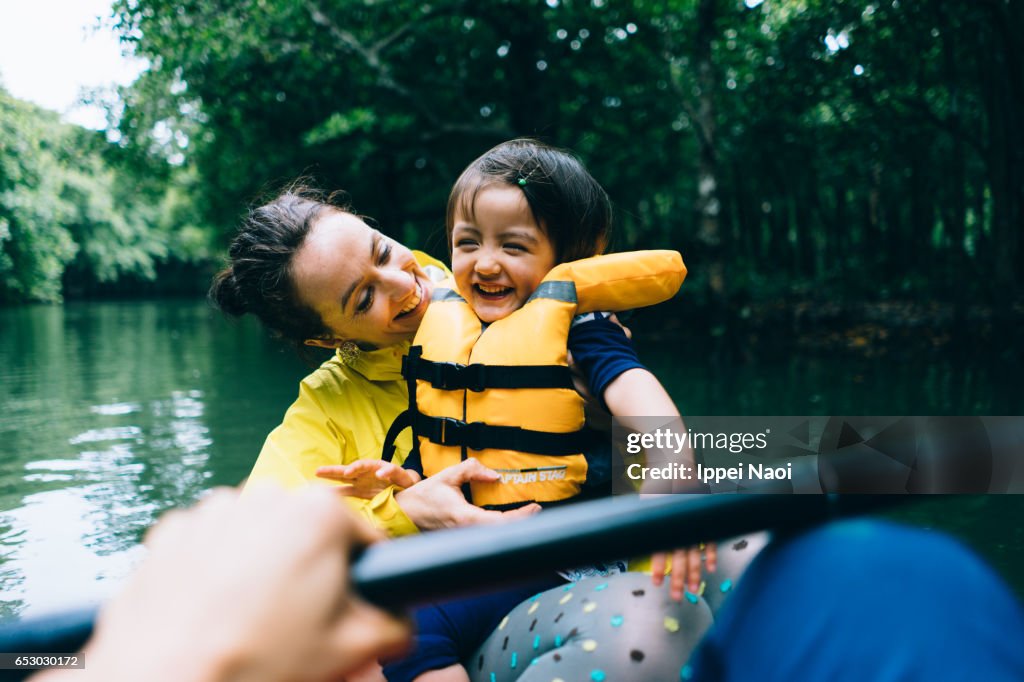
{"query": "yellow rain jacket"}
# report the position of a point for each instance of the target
(341, 415)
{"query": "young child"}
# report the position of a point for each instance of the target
(514, 214)
(524, 222)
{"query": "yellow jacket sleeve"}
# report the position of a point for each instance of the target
(335, 420)
(342, 414)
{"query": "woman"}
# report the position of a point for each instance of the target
(317, 274)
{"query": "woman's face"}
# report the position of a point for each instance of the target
(366, 287)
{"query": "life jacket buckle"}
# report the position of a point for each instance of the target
(452, 376)
(475, 377)
(459, 433)
(447, 377)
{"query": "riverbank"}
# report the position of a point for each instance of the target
(862, 328)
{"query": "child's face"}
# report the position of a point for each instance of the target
(501, 257)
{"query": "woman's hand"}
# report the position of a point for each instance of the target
(365, 478)
(253, 588)
(686, 568)
(438, 502)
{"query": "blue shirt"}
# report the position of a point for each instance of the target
(600, 350)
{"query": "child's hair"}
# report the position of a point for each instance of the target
(258, 279)
(568, 204)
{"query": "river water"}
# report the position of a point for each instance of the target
(111, 413)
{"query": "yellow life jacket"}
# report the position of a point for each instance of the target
(502, 392)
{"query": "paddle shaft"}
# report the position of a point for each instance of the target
(449, 563)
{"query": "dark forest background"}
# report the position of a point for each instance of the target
(812, 159)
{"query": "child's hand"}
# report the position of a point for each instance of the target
(365, 478)
(686, 573)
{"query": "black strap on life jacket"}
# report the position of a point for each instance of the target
(452, 376)
(401, 423)
(482, 436)
(448, 431)
(405, 419)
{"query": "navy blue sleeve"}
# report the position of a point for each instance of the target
(601, 351)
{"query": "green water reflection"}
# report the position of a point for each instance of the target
(112, 413)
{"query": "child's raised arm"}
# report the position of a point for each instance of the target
(638, 393)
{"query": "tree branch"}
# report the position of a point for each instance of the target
(684, 100)
(372, 59)
(403, 30)
(949, 124)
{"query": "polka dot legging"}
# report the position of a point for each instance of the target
(618, 628)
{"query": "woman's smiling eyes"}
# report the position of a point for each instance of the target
(383, 256)
(365, 301)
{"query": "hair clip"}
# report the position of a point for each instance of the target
(521, 182)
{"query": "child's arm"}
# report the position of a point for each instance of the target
(638, 393)
(365, 478)
(639, 401)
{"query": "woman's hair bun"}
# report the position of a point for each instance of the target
(258, 278)
(226, 294)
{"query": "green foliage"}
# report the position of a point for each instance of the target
(843, 147)
(71, 219)
(113, 242)
(35, 241)
(854, 142)
(339, 125)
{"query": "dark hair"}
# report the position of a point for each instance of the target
(258, 279)
(566, 201)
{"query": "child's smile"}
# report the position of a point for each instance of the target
(492, 293)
